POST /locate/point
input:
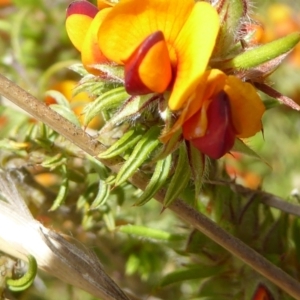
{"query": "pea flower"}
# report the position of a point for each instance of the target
(165, 48)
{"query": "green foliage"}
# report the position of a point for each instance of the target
(151, 252)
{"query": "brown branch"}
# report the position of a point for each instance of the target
(77, 136)
(264, 197)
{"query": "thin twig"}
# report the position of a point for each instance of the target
(264, 197)
(77, 136)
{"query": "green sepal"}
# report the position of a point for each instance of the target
(158, 179)
(139, 155)
(231, 13)
(108, 100)
(127, 141)
(241, 147)
(67, 113)
(261, 54)
(21, 284)
(113, 73)
(191, 273)
(181, 177)
(102, 195)
(63, 190)
(150, 233)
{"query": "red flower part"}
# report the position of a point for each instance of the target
(138, 76)
(82, 8)
(220, 134)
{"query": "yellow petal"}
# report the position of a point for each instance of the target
(130, 22)
(194, 46)
(79, 18)
(105, 3)
(246, 107)
(90, 52)
(149, 68)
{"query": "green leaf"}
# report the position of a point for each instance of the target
(146, 232)
(158, 179)
(63, 190)
(102, 195)
(170, 146)
(59, 98)
(139, 155)
(79, 69)
(198, 163)
(54, 161)
(127, 141)
(261, 54)
(188, 274)
(181, 177)
(133, 107)
(109, 100)
(67, 113)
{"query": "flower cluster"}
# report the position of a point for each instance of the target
(174, 49)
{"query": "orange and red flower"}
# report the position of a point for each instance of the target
(166, 46)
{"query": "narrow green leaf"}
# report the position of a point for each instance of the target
(21, 284)
(158, 179)
(54, 161)
(146, 232)
(63, 190)
(102, 195)
(127, 141)
(59, 98)
(170, 146)
(192, 273)
(261, 54)
(108, 100)
(180, 178)
(198, 165)
(133, 107)
(79, 69)
(67, 113)
(98, 167)
(140, 153)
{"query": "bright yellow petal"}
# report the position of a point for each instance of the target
(246, 107)
(90, 52)
(79, 18)
(194, 46)
(130, 22)
(104, 4)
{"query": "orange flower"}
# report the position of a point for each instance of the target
(165, 46)
(222, 108)
(162, 44)
(82, 24)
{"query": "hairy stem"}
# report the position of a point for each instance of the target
(76, 135)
